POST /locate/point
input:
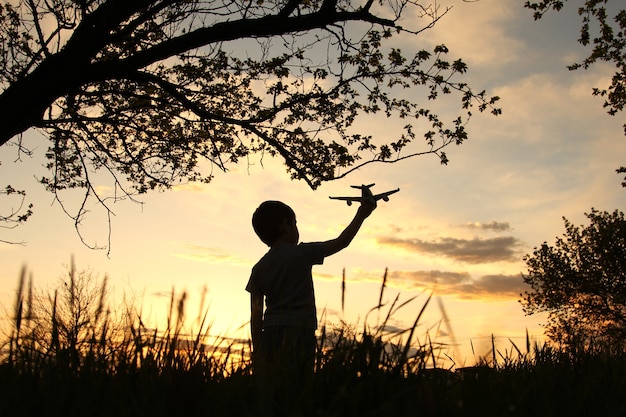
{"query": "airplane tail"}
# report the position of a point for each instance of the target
(360, 187)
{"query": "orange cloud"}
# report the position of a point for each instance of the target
(211, 255)
(491, 226)
(458, 284)
(472, 251)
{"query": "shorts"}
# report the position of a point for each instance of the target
(285, 351)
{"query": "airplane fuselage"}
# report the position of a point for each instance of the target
(366, 194)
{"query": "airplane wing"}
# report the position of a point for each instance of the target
(348, 200)
(385, 195)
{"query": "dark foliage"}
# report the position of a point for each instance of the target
(581, 283)
(135, 371)
(152, 93)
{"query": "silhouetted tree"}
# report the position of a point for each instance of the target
(581, 283)
(605, 33)
(149, 91)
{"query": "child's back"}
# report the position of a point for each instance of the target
(283, 275)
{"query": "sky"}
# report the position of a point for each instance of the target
(457, 232)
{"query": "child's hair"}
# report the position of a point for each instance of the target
(267, 218)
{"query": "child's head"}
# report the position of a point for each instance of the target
(268, 219)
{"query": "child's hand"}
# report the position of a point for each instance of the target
(367, 207)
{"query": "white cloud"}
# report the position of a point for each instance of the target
(478, 31)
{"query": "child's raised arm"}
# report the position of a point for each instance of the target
(343, 240)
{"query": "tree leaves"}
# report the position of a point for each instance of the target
(151, 92)
(17, 213)
(581, 283)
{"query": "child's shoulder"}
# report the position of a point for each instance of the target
(283, 251)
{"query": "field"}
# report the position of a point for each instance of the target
(68, 355)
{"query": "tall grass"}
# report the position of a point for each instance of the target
(69, 353)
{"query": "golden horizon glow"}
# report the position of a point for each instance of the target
(459, 231)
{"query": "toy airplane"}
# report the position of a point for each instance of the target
(366, 193)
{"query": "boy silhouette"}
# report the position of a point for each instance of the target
(283, 339)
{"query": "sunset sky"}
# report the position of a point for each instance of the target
(459, 231)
